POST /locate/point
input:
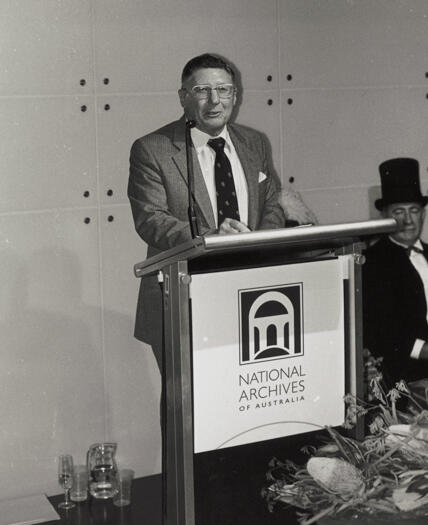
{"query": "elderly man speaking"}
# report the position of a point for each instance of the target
(234, 190)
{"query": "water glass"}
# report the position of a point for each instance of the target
(79, 490)
(124, 485)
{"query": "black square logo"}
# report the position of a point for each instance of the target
(271, 323)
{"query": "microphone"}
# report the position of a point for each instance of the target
(191, 180)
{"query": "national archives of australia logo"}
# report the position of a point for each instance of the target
(271, 323)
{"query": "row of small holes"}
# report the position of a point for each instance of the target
(86, 193)
(288, 77)
(84, 107)
(87, 220)
(83, 81)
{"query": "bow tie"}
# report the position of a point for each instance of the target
(411, 249)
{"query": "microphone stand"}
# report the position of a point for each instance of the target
(191, 180)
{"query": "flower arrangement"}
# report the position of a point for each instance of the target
(384, 475)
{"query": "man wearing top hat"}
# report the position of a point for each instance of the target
(395, 278)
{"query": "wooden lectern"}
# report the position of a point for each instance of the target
(262, 338)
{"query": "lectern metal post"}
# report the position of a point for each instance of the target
(179, 432)
(354, 329)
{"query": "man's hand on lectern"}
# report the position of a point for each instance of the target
(232, 226)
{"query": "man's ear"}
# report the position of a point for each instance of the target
(182, 94)
(235, 98)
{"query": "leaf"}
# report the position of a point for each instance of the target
(419, 485)
(407, 501)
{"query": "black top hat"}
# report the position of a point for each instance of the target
(400, 182)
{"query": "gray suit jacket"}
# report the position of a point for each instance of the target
(157, 191)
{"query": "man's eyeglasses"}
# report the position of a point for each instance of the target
(203, 91)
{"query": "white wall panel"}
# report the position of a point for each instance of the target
(45, 47)
(47, 149)
(338, 138)
(128, 118)
(132, 377)
(261, 110)
(337, 205)
(143, 46)
(52, 381)
(333, 43)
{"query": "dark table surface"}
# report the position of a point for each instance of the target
(144, 509)
(228, 485)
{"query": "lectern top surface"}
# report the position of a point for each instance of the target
(306, 238)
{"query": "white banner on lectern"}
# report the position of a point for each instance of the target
(268, 352)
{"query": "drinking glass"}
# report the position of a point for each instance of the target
(65, 479)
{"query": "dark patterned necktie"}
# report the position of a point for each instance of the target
(411, 249)
(227, 202)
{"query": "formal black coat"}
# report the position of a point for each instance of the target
(394, 310)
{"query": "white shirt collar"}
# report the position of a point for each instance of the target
(418, 243)
(200, 138)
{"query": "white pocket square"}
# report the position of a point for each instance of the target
(262, 176)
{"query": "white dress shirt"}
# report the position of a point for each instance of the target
(206, 158)
(421, 266)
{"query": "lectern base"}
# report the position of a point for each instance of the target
(228, 482)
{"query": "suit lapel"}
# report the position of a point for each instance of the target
(250, 163)
(248, 159)
(425, 248)
(200, 191)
